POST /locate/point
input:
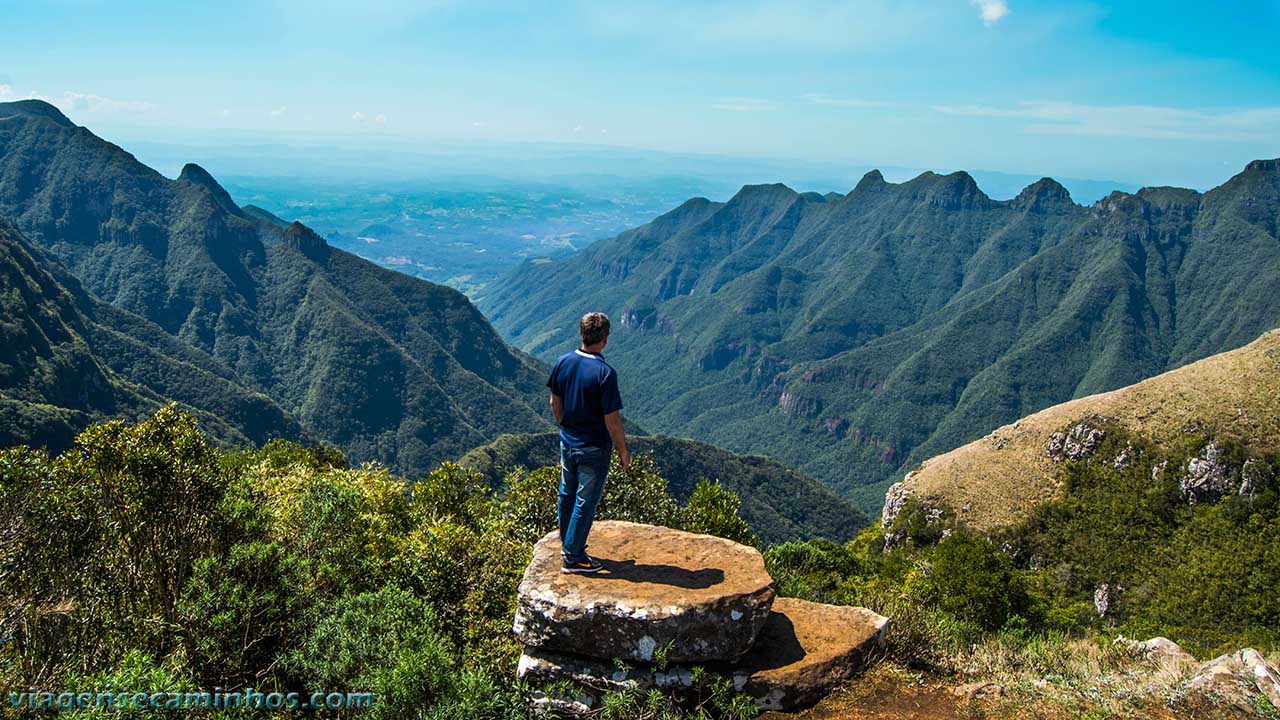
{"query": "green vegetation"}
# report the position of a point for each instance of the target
(1121, 552)
(144, 558)
(67, 359)
(172, 292)
(853, 337)
(777, 502)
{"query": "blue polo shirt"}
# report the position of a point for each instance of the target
(589, 389)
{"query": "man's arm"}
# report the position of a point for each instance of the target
(613, 421)
(557, 407)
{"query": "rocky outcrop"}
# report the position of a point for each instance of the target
(797, 406)
(1076, 443)
(670, 601)
(1236, 680)
(1208, 476)
(895, 498)
(305, 240)
(1255, 475)
(686, 597)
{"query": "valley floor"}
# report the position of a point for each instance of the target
(892, 692)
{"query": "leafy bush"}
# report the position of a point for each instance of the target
(283, 569)
(713, 510)
(971, 579)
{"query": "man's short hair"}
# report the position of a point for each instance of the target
(593, 327)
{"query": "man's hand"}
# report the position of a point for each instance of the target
(613, 421)
(557, 407)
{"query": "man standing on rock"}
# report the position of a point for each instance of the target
(586, 403)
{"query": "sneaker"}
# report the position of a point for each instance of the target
(581, 567)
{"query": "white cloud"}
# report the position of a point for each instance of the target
(381, 119)
(358, 116)
(77, 102)
(992, 10)
(577, 128)
(1145, 121)
(278, 112)
(742, 104)
(820, 99)
(6, 92)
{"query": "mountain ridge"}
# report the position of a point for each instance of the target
(389, 367)
(805, 329)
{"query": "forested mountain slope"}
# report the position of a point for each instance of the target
(67, 359)
(387, 367)
(853, 336)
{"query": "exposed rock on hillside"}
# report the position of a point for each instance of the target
(305, 240)
(1236, 679)
(1077, 443)
(1005, 475)
(1208, 477)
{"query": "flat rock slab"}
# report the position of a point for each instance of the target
(690, 598)
(804, 651)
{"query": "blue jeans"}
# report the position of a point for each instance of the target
(582, 474)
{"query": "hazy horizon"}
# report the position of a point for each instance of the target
(1138, 93)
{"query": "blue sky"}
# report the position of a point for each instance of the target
(1147, 92)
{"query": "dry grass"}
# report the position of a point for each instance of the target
(1051, 678)
(1005, 475)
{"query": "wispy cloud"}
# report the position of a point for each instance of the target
(742, 104)
(820, 99)
(358, 116)
(278, 112)
(1144, 121)
(992, 10)
(72, 101)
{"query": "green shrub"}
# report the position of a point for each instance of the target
(713, 510)
(970, 578)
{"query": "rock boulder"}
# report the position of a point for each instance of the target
(663, 593)
(804, 650)
(1235, 678)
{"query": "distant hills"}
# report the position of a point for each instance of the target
(777, 502)
(853, 336)
(124, 289)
